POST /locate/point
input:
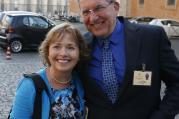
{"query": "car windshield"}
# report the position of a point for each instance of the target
(7, 21)
(172, 23)
(50, 21)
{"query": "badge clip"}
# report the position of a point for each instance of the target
(143, 67)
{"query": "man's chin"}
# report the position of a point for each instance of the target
(98, 34)
(102, 35)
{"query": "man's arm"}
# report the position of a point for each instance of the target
(169, 73)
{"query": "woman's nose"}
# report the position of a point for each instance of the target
(63, 52)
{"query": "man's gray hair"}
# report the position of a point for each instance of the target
(110, 1)
(106, 0)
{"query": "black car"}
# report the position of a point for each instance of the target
(73, 19)
(23, 30)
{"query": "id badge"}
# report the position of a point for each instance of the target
(142, 78)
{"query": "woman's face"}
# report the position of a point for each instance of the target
(63, 53)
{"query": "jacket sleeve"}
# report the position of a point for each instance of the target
(169, 74)
(24, 100)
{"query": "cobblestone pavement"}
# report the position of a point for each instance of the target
(10, 73)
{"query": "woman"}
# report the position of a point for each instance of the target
(61, 52)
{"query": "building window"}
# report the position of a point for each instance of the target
(141, 2)
(170, 2)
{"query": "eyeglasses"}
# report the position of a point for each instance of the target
(98, 9)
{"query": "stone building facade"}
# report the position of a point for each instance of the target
(129, 8)
(46, 7)
(155, 8)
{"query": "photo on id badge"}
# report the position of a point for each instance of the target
(142, 78)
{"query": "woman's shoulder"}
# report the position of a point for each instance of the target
(25, 86)
(29, 81)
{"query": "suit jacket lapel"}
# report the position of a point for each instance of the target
(132, 52)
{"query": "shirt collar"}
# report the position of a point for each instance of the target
(113, 37)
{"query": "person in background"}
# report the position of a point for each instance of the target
(128, 63)
(61, 51)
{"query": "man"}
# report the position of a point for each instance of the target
(127, 86)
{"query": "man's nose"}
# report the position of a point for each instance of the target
(93, 16)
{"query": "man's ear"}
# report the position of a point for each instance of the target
(116, 6)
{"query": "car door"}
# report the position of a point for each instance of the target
(36, 29)
(166, 26)
(174, 28)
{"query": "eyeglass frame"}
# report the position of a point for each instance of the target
(96, 10)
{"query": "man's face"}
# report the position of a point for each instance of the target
(99, 16)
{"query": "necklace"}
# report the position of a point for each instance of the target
(58, 81)
(62, 82)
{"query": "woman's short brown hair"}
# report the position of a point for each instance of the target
(58, 32)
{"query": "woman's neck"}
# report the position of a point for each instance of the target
(58, 80)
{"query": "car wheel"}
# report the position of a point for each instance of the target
(16, 46)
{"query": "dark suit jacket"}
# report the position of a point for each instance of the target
(143, 44)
